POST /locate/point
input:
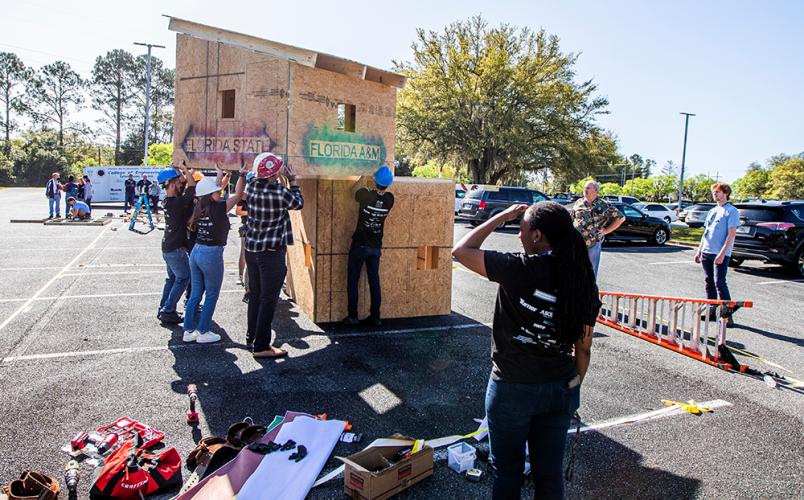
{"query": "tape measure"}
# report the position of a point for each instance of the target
(474, 475)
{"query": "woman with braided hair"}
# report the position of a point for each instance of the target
(541, 343)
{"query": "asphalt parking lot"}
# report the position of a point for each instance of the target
(80, 346)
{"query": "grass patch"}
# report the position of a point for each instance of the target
(687, 234)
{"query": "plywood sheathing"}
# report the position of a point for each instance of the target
(407, 291)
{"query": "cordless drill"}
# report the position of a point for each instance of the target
(71, 476)
(192, 415)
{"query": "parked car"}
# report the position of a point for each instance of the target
(640, 226)
(684, 205)
(629, 200)
(657, 210)
(565, 198)
(771, 232)
(486, 201)
(459, 194)
(695, 216)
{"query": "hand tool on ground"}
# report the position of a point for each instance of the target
(192, 415)
(71, 476)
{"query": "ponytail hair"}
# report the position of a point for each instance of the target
(201, 209)
(577, 292)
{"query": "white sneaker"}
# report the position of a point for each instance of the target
(190, 336)
(207, 338)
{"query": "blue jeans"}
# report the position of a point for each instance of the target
(266, 274)
(594, 255)
(178, 276)
(56, 200)
(715, 277)
(539, 414)
(370, 256)
(206, 275)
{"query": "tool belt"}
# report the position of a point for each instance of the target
(32, 486)
(211, 453)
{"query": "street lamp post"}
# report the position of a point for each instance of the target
(683, 157)
(148, 95)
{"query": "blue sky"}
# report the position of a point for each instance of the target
(738, 65)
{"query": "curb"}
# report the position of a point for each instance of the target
(683, 244)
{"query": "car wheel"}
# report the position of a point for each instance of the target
(798, 263)
(474, 223)
(736, 262)
(667, 219)
(660, 236)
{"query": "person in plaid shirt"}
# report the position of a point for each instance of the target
(268, 233)
(594, 218)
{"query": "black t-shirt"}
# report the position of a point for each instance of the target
(525, 348)
(213, 228)
(374, 208)
(131, 184)
(177, 210)
(144, 186)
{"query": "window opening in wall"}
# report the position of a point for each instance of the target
(227, 103)
(426, 258)
(346, 117)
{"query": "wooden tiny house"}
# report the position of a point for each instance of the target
(239, 95)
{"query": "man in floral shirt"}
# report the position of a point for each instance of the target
(594, 218)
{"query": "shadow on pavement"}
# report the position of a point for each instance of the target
(641, 247)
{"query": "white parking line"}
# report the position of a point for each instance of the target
(52, 280)
(105, 273)
(775, 282)
(99, 296)
(661, 263)
(333, 336)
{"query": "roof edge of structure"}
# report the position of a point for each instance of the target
(299, 55)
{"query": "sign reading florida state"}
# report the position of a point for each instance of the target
(205, 148)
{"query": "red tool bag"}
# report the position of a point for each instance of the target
(129, 471)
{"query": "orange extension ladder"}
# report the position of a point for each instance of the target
(680, 324)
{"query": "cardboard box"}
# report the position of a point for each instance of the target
(368, 477)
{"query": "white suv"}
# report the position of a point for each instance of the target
(629, 200)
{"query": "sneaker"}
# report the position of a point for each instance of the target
(207, 338)
(171, 318)
(189, 336)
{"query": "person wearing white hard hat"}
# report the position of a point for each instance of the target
(210, 222)
(268, 233)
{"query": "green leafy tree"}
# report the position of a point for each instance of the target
(610, 188)
(698, 188)
(13, 73)
(500, 100)
(662, 187)
(162, 97)
(754, 184)
(112, 92)
(160, 154)
(670, 169)
(53, 93)
(787, 180)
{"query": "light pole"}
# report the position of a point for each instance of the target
(148, 95)
(683, 157)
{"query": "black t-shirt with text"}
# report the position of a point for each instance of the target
(525, 347)
(177, 211)
(131, 185)
(374, 208)
(213, 228)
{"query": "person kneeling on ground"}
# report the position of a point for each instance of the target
(178, 207)
(546, 307)
(78, 209)
(210, 222)
(268, 233)
(375, 204)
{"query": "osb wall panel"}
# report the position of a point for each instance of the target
(203, 70)
(316, 146)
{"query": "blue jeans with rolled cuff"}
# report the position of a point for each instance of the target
(206, 276)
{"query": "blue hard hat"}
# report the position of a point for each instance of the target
(167, 174)
(384, 176)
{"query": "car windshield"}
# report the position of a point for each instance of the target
(475, 194)
(639, 205)
(630, 211)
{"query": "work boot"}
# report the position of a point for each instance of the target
(350, 321)
(170, 318)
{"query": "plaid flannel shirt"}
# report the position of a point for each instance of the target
(268, 222)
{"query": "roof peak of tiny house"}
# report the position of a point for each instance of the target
(306, 57)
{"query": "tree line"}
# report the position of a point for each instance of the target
(41, 131)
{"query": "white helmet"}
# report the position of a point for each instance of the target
(206, 186)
